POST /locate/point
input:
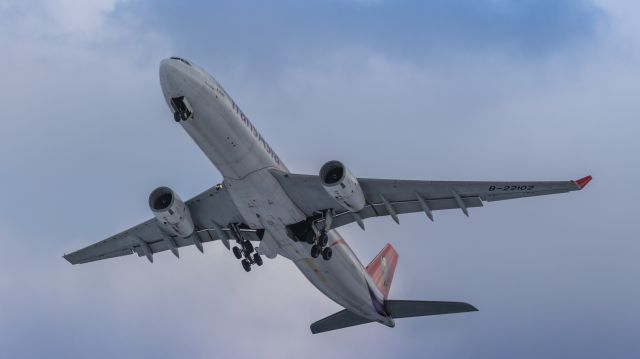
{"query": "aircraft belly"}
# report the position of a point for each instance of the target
(342, 279)
(264, 204)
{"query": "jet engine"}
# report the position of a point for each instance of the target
(171, 212)
(342, 185)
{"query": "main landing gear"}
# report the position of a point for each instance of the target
(247, 254)
(320, 247)
(245, 251)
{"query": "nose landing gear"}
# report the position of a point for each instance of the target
(181, 109)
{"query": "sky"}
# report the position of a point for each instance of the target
(451, 90)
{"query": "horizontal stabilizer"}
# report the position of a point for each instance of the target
(396, 309)
(342, 319)
(420, 308)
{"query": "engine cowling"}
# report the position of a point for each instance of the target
(171, 212)
(342, 185)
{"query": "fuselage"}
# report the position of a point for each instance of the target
(244, 158)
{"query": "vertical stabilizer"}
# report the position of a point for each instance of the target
(382, 267)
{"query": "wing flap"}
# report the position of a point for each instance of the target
(379, 209)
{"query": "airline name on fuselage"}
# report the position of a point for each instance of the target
(254, 132)
(245, 120)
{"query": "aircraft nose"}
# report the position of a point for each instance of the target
(176, 74)
(169, 74)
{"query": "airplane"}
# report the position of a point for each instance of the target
(293, 215)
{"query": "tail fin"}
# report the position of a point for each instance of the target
(382, 268)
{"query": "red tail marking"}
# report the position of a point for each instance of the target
(583, 182)
(382, 268)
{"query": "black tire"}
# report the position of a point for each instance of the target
(184, 116)
(315, 251)
(237, 252)
(246, 265)
(327, 253)
(248, 247)
(257, 259)
(177, 117)
(323, 240)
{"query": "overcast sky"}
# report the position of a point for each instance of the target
(465, 89)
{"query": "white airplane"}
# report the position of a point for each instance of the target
(292, 215)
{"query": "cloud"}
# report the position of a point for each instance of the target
(83, 18)
(60, 19)
(408, 30)
(92, 137)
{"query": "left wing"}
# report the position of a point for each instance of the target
(209, 210)
(393, 197)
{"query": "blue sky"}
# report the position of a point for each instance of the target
(491, 89)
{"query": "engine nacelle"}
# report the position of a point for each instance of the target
(171, 212)
(342, 185)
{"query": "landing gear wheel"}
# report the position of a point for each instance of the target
(184, 116)
(237, 252)
(246, 265)
(248, 247)
(257, 259)
(323, 240)
(177, 117)
(315, 251)
(327, 253)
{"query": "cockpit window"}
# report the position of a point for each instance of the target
(181, 59)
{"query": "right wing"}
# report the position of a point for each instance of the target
(386, 197)
(209, 209)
